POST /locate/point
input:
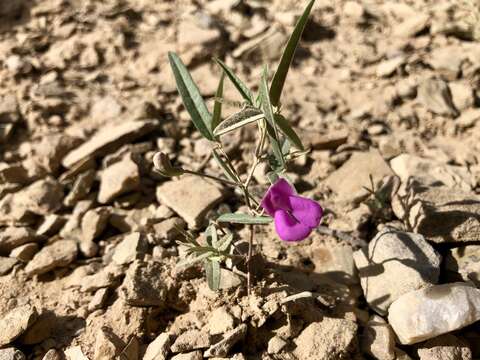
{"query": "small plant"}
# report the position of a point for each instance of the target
(294, 216)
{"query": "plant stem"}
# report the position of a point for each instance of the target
(249, 258)
(228, 182)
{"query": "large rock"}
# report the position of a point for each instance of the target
(426, 313)
(329, 339)
(190, 197)
(59, 254)
(429, 171)
(108, 139)
(145, 284)
(117, 179)
(445, 347)
(439, 213)
(363, 165)
(16, 322)
(12, 237)
(392, 253)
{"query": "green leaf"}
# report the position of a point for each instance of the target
(225, 242)
(217, 107)
(241, 218)
(237, 120)
(211, 235)
(287, 56)
(193, 101)
(229, 173)
(285, 127)
(212, 272)
(270, 125)
(239, 84)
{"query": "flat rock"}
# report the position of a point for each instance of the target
(465, 260)
(429, 171)
(391, 253)
(7, 264)
(94, 223)
(12, 237)
(329, 339)
(58, 254)
(362, 164)
(462, 96)
(145, 284)
(335, 262)
(468, 118)
(159, 348)
(190, 33)
(220, 321)
(230, 339)
(426, 313)
(168, 229)
(440, 213)
(191, 340)
(411, 26)
(447, 61)
(388, 67)
(435, 95)
(445, 347)
(131, 248)
(75, 353)
(190, 197)
(16, 322)
(118, 179)
(193, 355)
(11, 354)
(24, 252)
(40, 198)
(108, 139)
(378, 339)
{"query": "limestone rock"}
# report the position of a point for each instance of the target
(145, 284)
(335, 262)
(391, 253)
(80, 188)
(94, 222)
(24, 252)
(275, 345)
(108, 139)
(118, 179)
(15, 322)
(158, 349)
(190, 197)
(435, 95)
(12, 237)
(445, 347)
(194, 355)
(426, 313)
(465, 261)
(98, 300)
(231, 338)
(131, 248)
(362, 165)
(412, 25)
(191, 340)
(388, 67)
(52, 354)
(378, 339)
(439, 213)
(429, 171)
(59, 254)
(75, 353)
(11, 354)
(168, 229)
(220, 321)
(328, 339)
(107, 345)
(6, 264)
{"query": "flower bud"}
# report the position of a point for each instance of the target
(164, 167)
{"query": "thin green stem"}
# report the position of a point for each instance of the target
(228, 182)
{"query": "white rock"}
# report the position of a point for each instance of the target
(158, 349)
(118, 179)
(426, 313)
(378, 339)
(131, 248)
(445, 347)
(11, 354)
(392, 253)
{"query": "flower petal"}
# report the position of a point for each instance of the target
(306, 211)
(288, 228)
(276, 197)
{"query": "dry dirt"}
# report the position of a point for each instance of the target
(88, 230)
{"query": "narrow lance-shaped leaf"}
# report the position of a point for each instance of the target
(239, 84)
(190, 261)
(270, 125)
(277, 151)
(212, 271)
(229, 173)
(217, 107)
(287, 56)
(288, 131)
(237, 120)
(241, 218)
(191, 97)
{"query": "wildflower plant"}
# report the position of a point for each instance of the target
(277, 144)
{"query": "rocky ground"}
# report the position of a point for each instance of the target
(379, 89)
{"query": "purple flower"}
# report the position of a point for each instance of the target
(295, 216)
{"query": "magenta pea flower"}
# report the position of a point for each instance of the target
(295, 216)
